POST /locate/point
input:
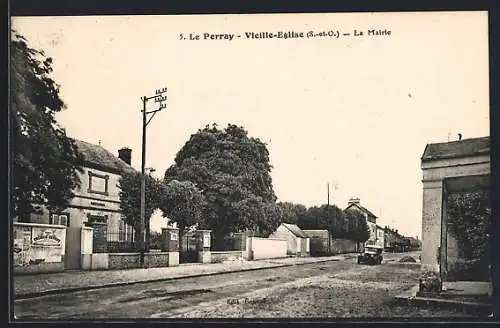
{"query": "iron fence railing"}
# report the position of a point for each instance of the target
(120, 243)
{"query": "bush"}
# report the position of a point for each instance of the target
(430, 282)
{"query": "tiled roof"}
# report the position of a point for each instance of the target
(296, 230)
(363, 209)
(460, 148)
(98, 156)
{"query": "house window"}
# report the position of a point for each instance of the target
(98, 184)
(125, 231)
(59, 219)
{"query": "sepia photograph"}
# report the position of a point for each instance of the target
(250, 166)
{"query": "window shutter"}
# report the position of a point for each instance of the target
(55, 219)
(63, 220)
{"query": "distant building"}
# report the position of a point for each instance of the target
(371, 219)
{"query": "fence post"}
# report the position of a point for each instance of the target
(170, 244)
(204, 240)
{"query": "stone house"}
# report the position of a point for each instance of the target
(371, 219)
(96, 200)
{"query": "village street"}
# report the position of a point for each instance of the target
(339, 288)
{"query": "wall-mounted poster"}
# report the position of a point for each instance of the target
(206, 240)
(47, 237)
(174, 235)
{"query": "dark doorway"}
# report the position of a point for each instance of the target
(188, 248)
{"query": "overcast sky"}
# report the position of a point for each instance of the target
(355, 112)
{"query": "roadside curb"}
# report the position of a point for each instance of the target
(408, 298)
(127, 283)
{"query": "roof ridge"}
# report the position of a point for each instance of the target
(458, 141)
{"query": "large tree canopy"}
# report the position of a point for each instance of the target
(182, 202)
(292, 213)
(233, 172)
(329, 217)
(359, 230)
(179, 201)
(45, 162)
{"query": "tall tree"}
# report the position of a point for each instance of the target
(292, 213)
(45, 162)
(329, 217)
(182, 202)
(233, 172)
(359, 230)
(130, 199)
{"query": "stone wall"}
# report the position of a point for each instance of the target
(156, 259)
(220, 257)
(124, 260)
(133, 260)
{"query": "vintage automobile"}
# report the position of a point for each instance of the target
(371, 255)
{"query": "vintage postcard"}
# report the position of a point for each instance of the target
(272, 166)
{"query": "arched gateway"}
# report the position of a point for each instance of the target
(450, 169)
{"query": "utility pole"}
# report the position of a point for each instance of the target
(328, 203)
(159, 98)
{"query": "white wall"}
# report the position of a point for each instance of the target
(265, 248)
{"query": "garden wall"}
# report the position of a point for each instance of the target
(265, 248)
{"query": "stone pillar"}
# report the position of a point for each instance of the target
(204, 239)
(431, 224)
(249, 251)
(170, 244)
(86, 248)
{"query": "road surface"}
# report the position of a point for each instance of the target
(358, 290)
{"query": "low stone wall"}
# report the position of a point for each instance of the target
(219, 257)
(156, 259)
(133, 260)
(124, 260)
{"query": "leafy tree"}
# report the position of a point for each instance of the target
(292, 213)
(470, 223)
(45, 162)
(233, 172)
(130, 199)
(329, 217)
(182, 202)
(359, 230)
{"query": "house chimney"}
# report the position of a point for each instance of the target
(353, 200)
(125, 154)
